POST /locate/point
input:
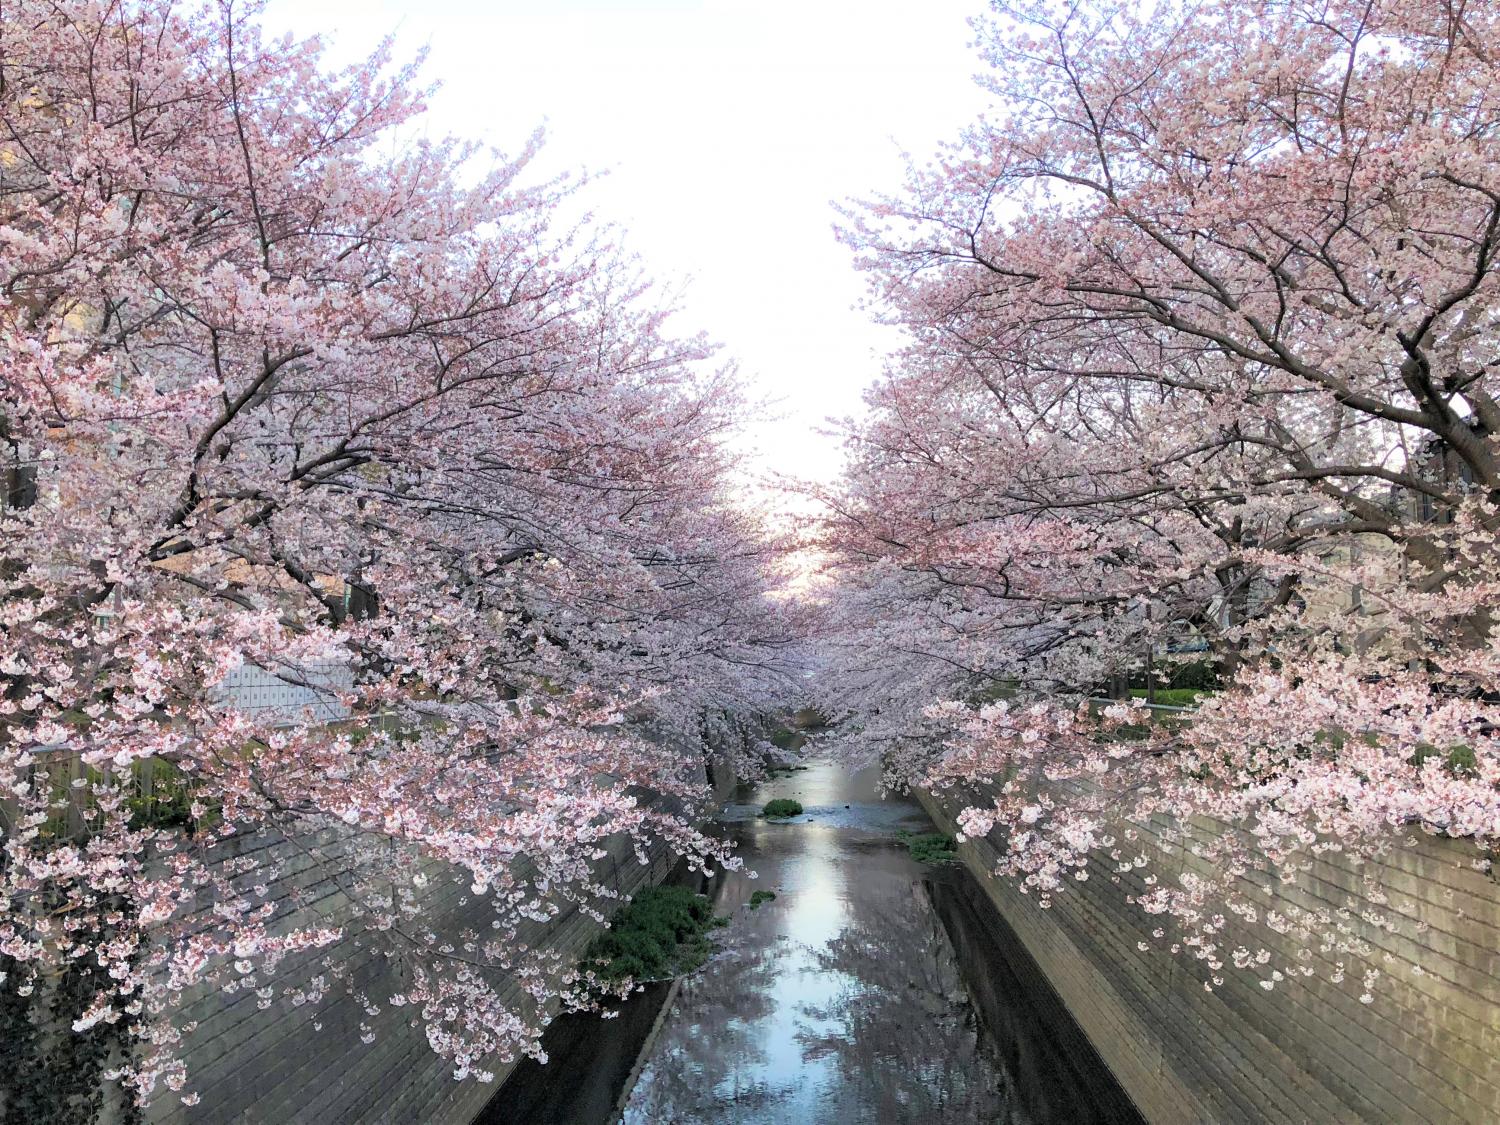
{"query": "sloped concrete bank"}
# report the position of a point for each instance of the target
(1059, 1078)
(588, 1075)
(1426, 1049)
(272, 1066)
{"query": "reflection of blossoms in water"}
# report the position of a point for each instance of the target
(677, 1085)
(838, 1001)
(906, 1037)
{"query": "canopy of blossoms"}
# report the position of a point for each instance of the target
(289, 389)
(1202, 325)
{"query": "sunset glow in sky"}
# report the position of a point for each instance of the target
(727, 128)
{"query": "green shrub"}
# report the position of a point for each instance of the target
(661, 933)
(167, 801)
(1200, 674)
(781, 808)
(1460, 759)
(930, 847)
(1171, 697)
(761, 896)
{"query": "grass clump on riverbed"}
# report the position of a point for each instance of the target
(930, 847)
(662, 933)
(781, 808)
(785, 770)
(1171, 697)
(761, 896)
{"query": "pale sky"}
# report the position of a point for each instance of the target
(728, 127)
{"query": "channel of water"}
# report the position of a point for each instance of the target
(870, 990)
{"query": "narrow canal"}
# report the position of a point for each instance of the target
(841, 1000)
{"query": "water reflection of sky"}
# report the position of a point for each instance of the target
(839, 1001)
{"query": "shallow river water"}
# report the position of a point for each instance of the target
(840, 1002)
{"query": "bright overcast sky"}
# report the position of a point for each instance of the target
(728, 128)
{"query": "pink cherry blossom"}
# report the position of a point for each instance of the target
(294, 392)
(1200, 332)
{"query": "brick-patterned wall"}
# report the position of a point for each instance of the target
(272, 1067)
(1426, 1050)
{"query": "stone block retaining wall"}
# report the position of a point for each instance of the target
(1426, 1050)
(273, 1067)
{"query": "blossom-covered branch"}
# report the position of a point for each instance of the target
(288, 396)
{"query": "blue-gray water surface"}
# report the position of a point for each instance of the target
(870, 990)
(840, 1001)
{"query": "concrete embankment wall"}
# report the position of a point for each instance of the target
(274, 1066)
(1425, 1050)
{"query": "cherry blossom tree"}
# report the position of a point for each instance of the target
(287, 390)
(1201, 332)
